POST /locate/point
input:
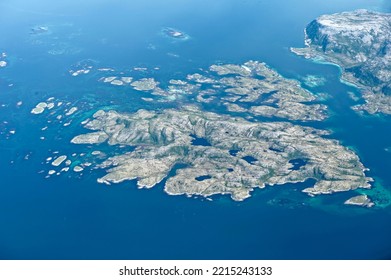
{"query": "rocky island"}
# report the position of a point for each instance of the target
(359, 42)
(219, 154)
(360, 200)
(249, 143)
(257, 89)
(174, 33)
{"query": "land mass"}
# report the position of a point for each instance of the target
(360, 200)
(359, 42)
(219, 154)
(256, 89)
(197, 152)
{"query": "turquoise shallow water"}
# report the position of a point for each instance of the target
(73, 217)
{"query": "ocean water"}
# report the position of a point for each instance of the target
(72, 217)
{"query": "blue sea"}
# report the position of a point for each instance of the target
(71, 216)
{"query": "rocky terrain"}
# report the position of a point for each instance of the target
(252, 88)
(360, 200)
(359, 42)
(220, 154)
(257, 89)
(196, 152)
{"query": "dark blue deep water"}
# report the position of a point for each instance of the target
(72, 217)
